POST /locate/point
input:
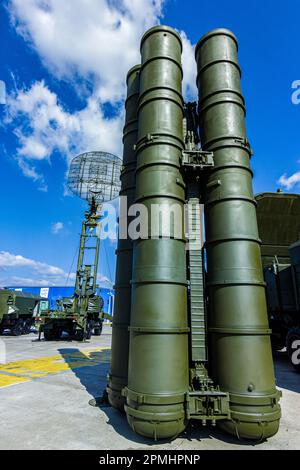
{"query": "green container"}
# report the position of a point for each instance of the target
(16, 311)
(239, 336)
(117, 379)
(278, 218)
(158, 356)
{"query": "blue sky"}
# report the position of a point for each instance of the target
(64, 66)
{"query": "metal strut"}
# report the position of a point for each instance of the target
(86, 274)
(204, 402)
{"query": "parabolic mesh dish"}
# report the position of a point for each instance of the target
(95, 175)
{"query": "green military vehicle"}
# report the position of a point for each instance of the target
(278, 216)
(82, 313)
(17, 310)
(94, 177)
(170, 362)
(68, 317)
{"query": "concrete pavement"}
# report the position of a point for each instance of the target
(45, 389)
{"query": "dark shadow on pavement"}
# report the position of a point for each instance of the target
(286, 376)
(196, 432)
(93, 377)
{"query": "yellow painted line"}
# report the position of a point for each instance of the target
(6, 380)
(28, 369)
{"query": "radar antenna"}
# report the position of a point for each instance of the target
(94, 177)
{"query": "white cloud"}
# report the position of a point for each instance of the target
(20, 281)
(103, 281)
(16, 281)
(9, 260)
(2, 92)
(94, 39)
(57, 227)
(290, 182)
(30, 171)
(189, 87)
(91, 44)
(44, 126)
(37, 273)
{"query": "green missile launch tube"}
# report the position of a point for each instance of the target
(117, 378)
(158, 354)
(240, 350)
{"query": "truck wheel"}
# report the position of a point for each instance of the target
(57, 334)
(80, 335)
(49, 335)
(293, 349)
(98, 330)
(26, 327)
(89, 330)
(18, 328)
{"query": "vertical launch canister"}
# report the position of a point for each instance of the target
(158, 356)
(117, 379)
(240, 351)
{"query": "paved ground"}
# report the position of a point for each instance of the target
(45, 388)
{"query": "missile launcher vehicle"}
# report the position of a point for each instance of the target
(191, 337)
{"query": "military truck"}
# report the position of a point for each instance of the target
(17, 310)
(67, 317)
(80, 314)
(278, 216)
(94, 177)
